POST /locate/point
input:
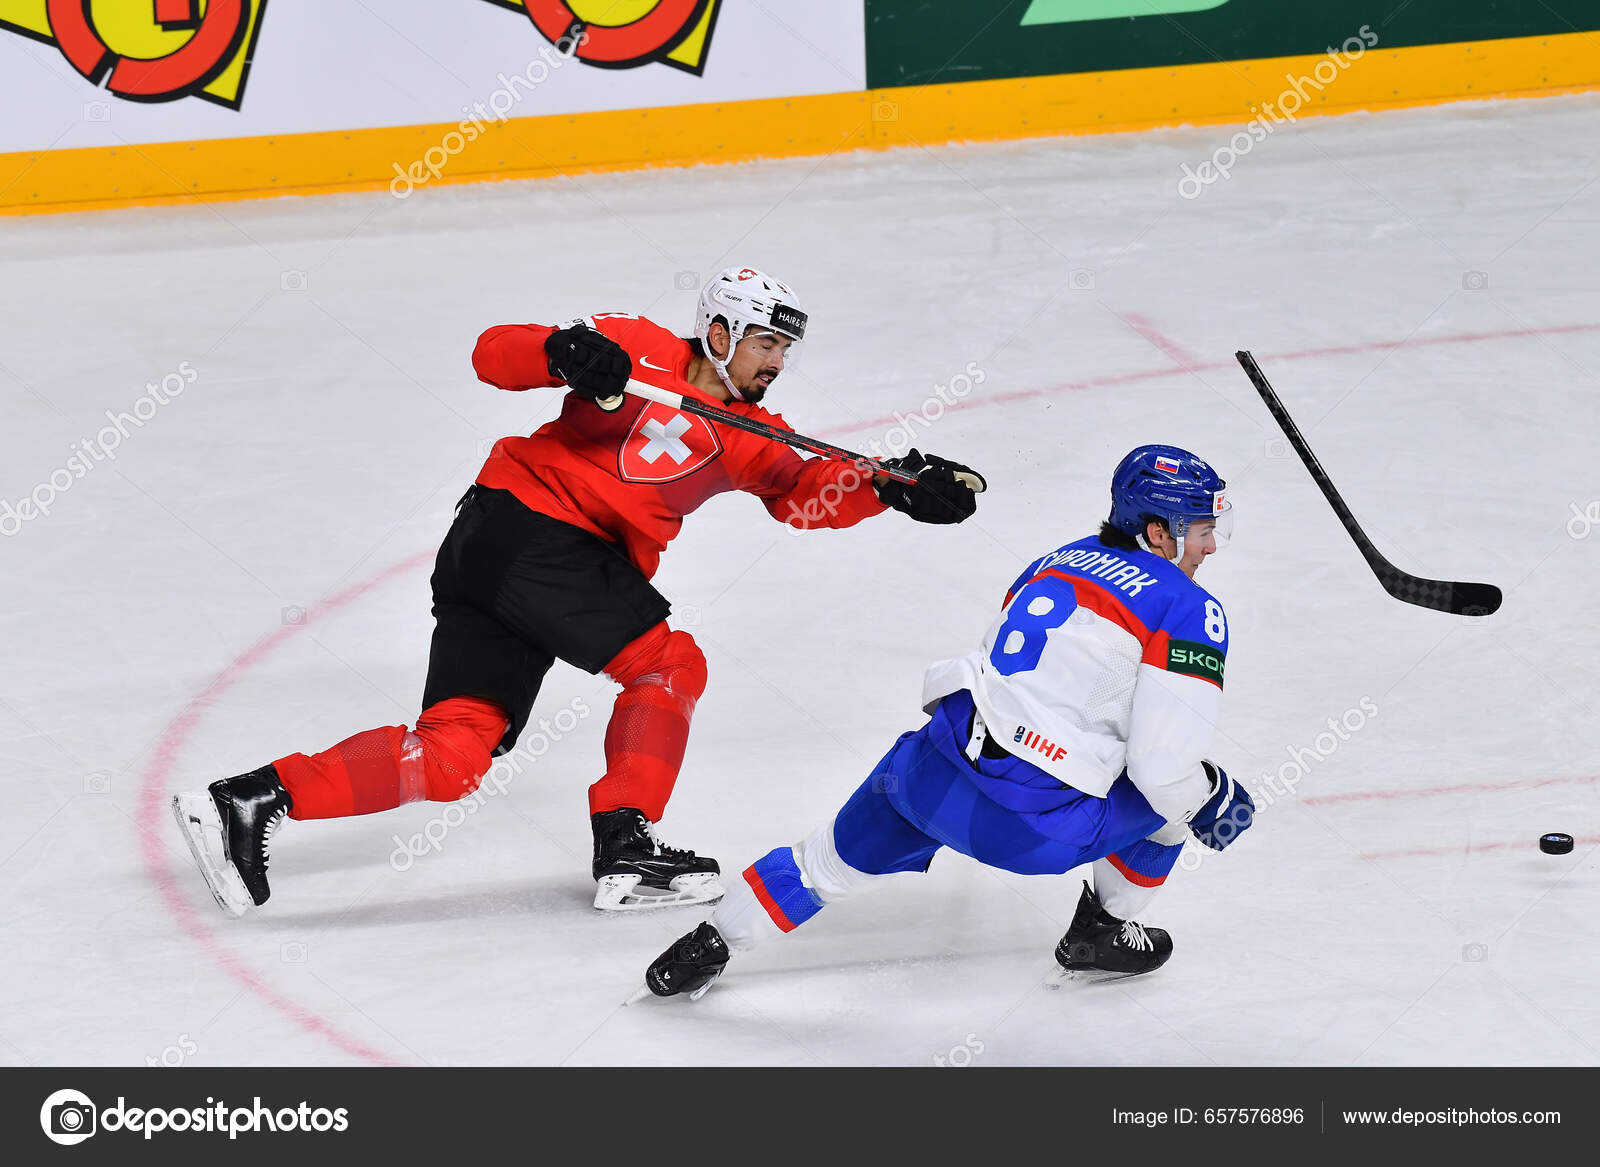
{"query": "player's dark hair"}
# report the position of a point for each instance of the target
(698, 348)
(1116, 537)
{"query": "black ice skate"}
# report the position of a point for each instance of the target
(633, 869)
(227, 828)
(691, 965)
(1099, 946)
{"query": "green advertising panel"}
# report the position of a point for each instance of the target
(925, 42)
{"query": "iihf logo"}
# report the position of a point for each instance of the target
(1037, 741)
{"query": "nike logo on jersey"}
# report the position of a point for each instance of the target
(645, 361)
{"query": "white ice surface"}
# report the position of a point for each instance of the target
(332, 427)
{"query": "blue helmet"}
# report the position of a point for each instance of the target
(1166, 483)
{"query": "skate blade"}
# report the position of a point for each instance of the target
(704, 989)
(1059, 977)
(202, 828)
(645, 994)
(623, 893)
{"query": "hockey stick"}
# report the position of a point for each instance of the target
(727, 417)
(1461, 599)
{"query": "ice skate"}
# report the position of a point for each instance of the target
(1099, 947)
(227, 828)
(633, 869)
(692, 965)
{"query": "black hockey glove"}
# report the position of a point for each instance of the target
(945, 492)
(591, 363)
(1227, 814)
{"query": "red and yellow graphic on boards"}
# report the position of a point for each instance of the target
(620, 34)
(148, 50)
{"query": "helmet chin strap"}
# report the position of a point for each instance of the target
(1145, 544)
(721, 365)
(722, 371)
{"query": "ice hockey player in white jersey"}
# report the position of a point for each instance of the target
(1075, 735)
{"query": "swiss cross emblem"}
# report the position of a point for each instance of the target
(665, 445)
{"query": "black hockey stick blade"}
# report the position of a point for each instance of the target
(1461, 599)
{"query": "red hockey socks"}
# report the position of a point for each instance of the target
(442, 760)
(662, 674)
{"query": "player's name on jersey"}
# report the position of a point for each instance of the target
(1111, 569)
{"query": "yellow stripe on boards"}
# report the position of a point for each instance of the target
(1225, 92)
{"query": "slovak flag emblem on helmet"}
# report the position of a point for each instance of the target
(1167, 465)
(747, 274)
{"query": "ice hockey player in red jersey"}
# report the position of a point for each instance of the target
(550, 557)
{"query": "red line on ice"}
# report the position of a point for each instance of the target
(152, 810)
(1171, 348)
(1430, 791)
(1472, 849)
(155, 822)
(1111, 379)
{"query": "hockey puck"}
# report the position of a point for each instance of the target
(1555, 843)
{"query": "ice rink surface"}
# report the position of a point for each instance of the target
(248, 577)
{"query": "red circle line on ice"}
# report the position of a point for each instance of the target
(180, 896)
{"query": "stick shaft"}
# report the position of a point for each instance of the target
(762, 429)
(1459, 598)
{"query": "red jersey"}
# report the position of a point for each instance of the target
(630, 476)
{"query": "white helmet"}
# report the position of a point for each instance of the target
(747, 299)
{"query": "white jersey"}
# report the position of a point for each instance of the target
(1101, 660)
